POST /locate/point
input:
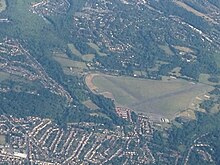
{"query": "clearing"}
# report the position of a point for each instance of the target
(166, 49)
(2, 140)
(74, 50)
(3, 5)
(84, 57)
(184, 49)
(97, 49)
(163, 98)
(4, 76)
(69, 66)
(194, 11)
(91, 105)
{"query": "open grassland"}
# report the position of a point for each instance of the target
(166, 49)
(91, 105)
(69, 66)
(84, 57)
(217, 58)
(184, 49)
(74, 50)
(97, 49)
(2, 140)
(166, 98)
(3, 5)
(14, 77)
(194, 11)
(203, 78)
(4, 76)
(88, 57)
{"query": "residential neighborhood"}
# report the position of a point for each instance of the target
(16, 60)
(37, 140)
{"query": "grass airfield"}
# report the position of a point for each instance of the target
(165, 98)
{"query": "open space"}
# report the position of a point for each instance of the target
(3, 5)
(194, 11)
(91, 105)
(166, 49)
(2, 140)
(164, 98)
(69, 66)
(4, 76)
(74, 50)
(97, 49)
(217, 58)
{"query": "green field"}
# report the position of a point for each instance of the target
(3, 5)
(91, 105)
(84, 57)
(74, 50)
(97, 49)
(4, 76)
(2, 140)
(88, 57)
(217, 58)
(69, 66)
(166, 49)
(165, 98)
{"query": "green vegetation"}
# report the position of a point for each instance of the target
(69, 66)
(162, 97)
(114, 46)
(90, 105)
(88, 57)
(4, 76)
(217, 58)
(74, 50)
(208, 79)
(166, 49)
(3, 5)
(97, 49)
(204, 130)
(2, 140)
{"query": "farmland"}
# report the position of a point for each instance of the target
(164, 98)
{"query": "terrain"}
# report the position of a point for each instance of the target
(73, 38)
(78, 76)
(2, 5)
(164, 98)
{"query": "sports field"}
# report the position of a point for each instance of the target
(165, 97)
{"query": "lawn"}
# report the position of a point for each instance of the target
(166, 98)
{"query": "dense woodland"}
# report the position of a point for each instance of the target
(205, 124)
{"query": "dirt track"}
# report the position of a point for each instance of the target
(89, 83)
